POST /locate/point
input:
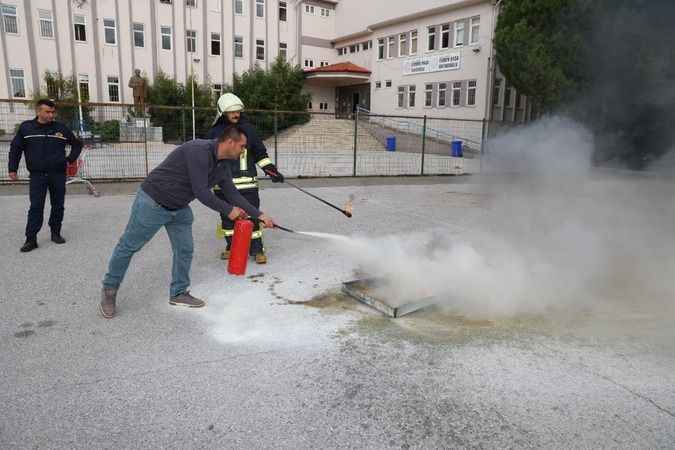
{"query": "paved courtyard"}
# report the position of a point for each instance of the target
(257, 368)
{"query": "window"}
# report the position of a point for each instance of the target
(428, 94)
(52, 88)
(217, 90)
(139, 35)
(456, 93)
(113, 89)
(403, 44)
(380, 49)
(239, 7)
(413, 42)
(411, 96)
(459, 34)
(309, 105)
(497, 90)
(166, 37)
(471, 93)
(323, 106)
(283, 50)
(445, 36)
(46, 23)
(323, 63)
(378, 84)
(18, 86)
(507, 96)
(309, 63)
(215, 44)
(309, 9)
(9, 21)
(260, 49)
(283, 11)
(191, 3)
(442, 88)
(364, 45)
(260, 8)
(475, 30)
(340, 51)
(325, 12)
(166, 2)
(191, 41)
(387, 83)
(352, 49)
(80, 24)
(238, 47)
(431, 33)
(110, 30)
(401, 96)
(84, 88)
(392, 47)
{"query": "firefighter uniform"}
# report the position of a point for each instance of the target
(44, 148)
(244, 174)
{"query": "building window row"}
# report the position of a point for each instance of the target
(453, 34)
(312, 11)
(403, 44)
(353, 48)
(445, 94)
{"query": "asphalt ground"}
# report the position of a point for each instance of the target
(279, 359)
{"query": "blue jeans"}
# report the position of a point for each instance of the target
(147, 217)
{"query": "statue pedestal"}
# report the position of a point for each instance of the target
(139, 129)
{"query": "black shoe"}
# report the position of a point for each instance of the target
(58, 239)
(30, 244)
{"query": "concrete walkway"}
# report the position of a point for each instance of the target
(256, 370)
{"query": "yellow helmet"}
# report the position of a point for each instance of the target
(229, 103)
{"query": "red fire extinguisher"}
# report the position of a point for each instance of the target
(241, 242)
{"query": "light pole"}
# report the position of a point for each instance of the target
(192, 81)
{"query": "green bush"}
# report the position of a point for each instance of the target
(109, 130)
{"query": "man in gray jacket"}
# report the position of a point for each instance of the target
(189, 172)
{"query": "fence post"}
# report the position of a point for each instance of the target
(276, 129)
(424, 141)
(356, 131)
(182, 115)
(145, 139)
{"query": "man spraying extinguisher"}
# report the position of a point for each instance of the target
(244, 171)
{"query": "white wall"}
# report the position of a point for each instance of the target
(321, 94)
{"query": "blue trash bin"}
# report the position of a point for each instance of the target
(391, 143)
(456, 149)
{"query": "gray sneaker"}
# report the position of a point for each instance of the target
(107, 305)
(185, 299)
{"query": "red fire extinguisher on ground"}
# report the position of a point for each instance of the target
(241, 243)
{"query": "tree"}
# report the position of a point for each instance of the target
(538, 47)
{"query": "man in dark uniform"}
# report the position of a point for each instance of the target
(43, 141)
(243, 171)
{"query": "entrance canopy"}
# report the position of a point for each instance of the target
(335, 75)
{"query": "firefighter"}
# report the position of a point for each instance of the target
(243, 171)
(43, 141)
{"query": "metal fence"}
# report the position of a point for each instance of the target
(126, 142)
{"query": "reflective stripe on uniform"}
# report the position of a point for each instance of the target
(243, 160)
(45, 135)
(240, 180)
(264, 162)
(244, 186)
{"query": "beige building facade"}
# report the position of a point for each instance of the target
(426, 57)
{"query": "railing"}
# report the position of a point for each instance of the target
(126, 142)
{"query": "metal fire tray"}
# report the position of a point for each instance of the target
(363, 291)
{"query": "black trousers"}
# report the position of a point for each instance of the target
(40, 183)
(228, 226)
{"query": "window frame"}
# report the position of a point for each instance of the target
(381, 49)
(283, 54)
(431, 38)
(378, 85)
(403, 44)
(191, 3)
(134, 34)
(83, 25)
(260, 9)
(442, 94)
(238, 44)
(168, 35)
(239, 3)
(112, 84)
(42, 21)
(474, 25)
(445, 36)
(428, 95)
(13, 78)
(219, 42)
(470, 88)
(4, 16)
(387, 83)
(401, 97)
(456, 91)
(106, 28)
(187, 41)
(413, 37)
(412, 90)
(391, 45)
(283, 6)
(82, 81)
(258, 46)
(459, 27)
